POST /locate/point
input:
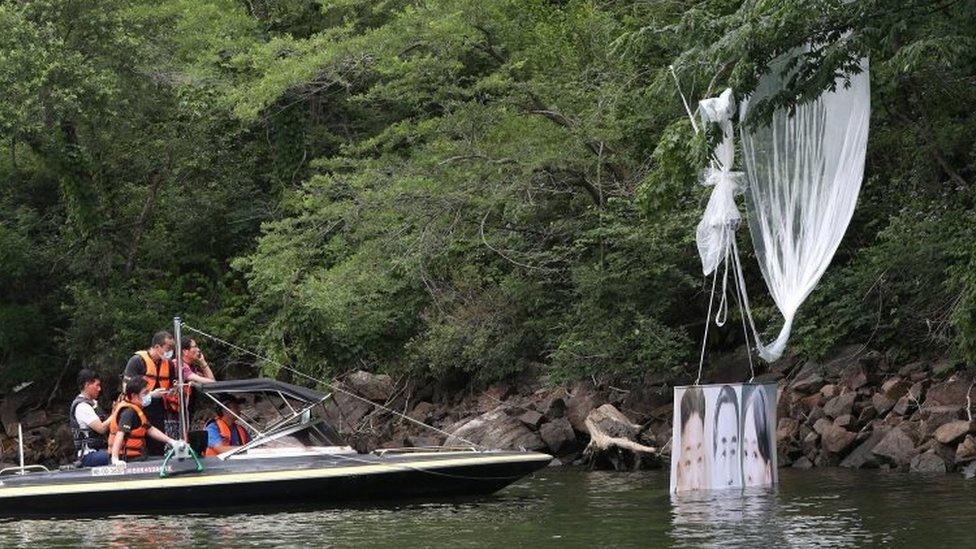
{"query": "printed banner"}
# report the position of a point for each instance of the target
(724, 436)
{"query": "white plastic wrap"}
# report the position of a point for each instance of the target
(721, 217)
(804, 173)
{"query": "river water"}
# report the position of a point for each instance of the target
(569, 508)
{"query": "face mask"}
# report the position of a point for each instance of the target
(146, 401)
(168, 355)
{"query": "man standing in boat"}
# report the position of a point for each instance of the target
(129, 426)
(154, 366)
(88, 427)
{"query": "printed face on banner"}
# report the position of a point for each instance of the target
(723, 436)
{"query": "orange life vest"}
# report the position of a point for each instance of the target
(155, 377)
(135, 440)
(225, 436)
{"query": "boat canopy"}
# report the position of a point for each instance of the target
(264, 385)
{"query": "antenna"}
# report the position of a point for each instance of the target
(177, 329)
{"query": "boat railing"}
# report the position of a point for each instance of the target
(23, 470)
(425, 449)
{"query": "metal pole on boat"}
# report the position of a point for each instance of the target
(20, 444)
(177, 325)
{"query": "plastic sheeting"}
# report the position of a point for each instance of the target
(721, 218)
(803, 173)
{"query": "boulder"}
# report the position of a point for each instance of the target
(421, 412)
(911, 368)
(853, 377)
(966, 451)
(882, 403)
(836, 439)
(496, 430)
(809, 403)
(810, 443)
(787, 428)
(579, 405)
(533, 419)
(868, 413)
(948, 393)
(802, 463)
(895, 388)
(928, 462)
(375, 387)
(840, 405)
(952, 431)
(896, 447)
(829, 391)
(349, 411)
(845, 421)
(937, 416)
(559, 437)
(809, 384)
(862, 456)
(556, 408)
(904, 406)
(821, 425)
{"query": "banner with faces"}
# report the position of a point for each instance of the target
(724, 436)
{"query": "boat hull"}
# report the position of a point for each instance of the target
(280, 482)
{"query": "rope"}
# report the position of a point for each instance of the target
(708, 317)
(331, 386)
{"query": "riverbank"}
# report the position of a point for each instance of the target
(857, 410)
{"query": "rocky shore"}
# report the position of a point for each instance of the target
(857, 410)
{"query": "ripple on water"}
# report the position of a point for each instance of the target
(561, 508)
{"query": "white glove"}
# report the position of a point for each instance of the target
(118, 462)
(180, 447)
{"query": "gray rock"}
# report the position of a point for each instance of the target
(802, 463)
(375, 387)
(904, 406)
(579, 405)
(787, 428)
(559, 437)
(532, 419)
(821, 425)
(853, 377)
(948, 393)
(862, 456)
(895, 388)
(952, 431)
(896, 447)
(421, 411)
(845, 421)
(809, 384)
(840, 405)
(836, 439)
(496, 430)
(928, 462)
(966, 451)
(882, 403)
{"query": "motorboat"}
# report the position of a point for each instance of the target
(294, 458)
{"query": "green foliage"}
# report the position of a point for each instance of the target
(457, 188)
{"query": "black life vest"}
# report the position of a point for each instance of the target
(85, 438)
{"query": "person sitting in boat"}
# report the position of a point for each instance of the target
(223, 432)
(155, 367)
(88, 425)
(129, 425)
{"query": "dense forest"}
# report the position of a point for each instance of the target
(454, 188)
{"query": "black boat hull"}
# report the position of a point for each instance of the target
(282, 483)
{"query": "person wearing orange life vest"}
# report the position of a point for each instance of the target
(156, 367)
(129, 427)
(223, 432)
